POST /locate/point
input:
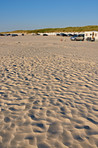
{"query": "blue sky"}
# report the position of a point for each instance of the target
(36, 14)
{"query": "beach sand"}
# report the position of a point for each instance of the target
(48, 92)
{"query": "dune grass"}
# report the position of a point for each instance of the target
(67, 29)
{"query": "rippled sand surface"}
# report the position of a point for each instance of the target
(48, 93)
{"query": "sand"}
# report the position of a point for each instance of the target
(48, 92)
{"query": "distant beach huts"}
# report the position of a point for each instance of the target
(88, 35)
(91, 35)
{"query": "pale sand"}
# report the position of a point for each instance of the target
(48, 93)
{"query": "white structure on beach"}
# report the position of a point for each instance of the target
(91, 34)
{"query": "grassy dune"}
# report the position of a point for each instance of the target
(67, 29)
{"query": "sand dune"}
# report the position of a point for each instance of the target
(48, 93)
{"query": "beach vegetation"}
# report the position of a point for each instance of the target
(67, 29)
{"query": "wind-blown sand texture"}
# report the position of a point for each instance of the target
(48, 93)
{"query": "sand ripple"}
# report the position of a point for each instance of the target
(48, 102)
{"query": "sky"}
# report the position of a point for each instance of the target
(37, 14)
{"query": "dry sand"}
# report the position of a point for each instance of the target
(48, 93)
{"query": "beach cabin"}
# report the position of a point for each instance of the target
(91, 35)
